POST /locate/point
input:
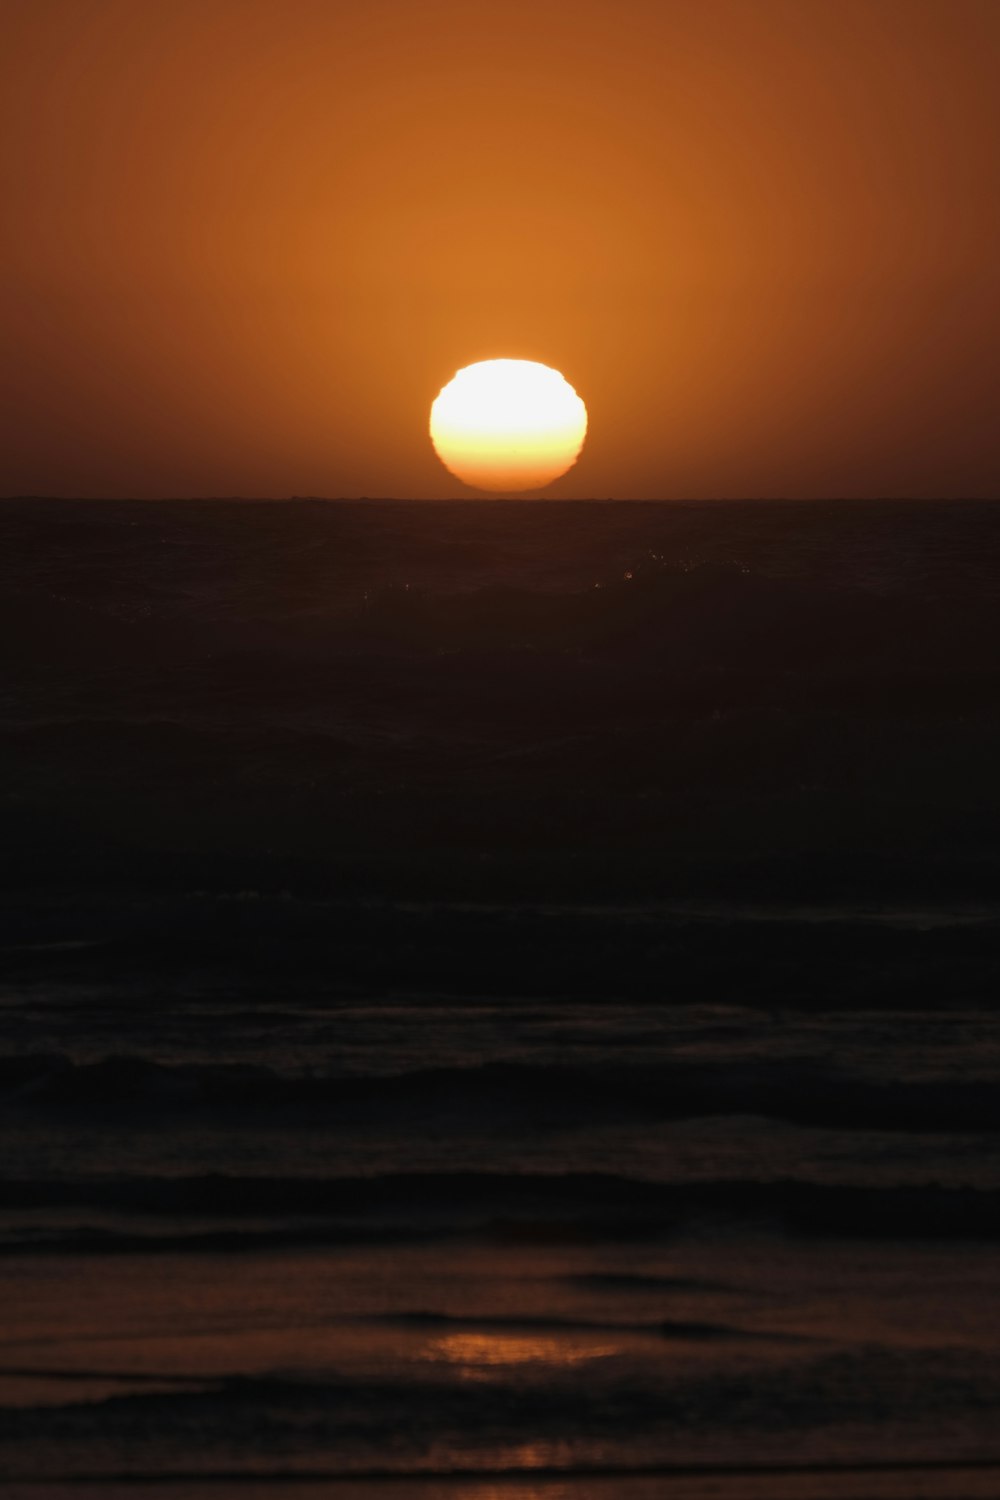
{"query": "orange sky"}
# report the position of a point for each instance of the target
(245, 242)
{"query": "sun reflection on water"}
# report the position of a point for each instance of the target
(479, 1350)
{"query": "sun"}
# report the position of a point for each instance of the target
(508, 424)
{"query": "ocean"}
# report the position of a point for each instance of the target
(498, 1000)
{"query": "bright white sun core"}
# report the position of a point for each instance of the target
(508, 425)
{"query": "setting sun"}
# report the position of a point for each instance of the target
(508, 424)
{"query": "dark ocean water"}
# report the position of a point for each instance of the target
(502, 993)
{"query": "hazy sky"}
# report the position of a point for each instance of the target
(245, 242)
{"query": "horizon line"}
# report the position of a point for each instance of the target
(522, 499)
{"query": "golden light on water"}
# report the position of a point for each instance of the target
(508, 425)
(479, 1351)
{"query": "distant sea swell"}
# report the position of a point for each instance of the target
(582, 1207)
(548, 699)
(117, 1089)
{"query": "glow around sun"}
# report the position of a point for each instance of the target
(508, 424)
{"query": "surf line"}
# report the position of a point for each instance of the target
(164, 1478)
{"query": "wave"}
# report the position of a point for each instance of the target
(640, 1282)
(680, 1329)
(957, 1473)
(586, 1418)
(800, 1093)
(503, 1206)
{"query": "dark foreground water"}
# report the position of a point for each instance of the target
(499, 1001)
